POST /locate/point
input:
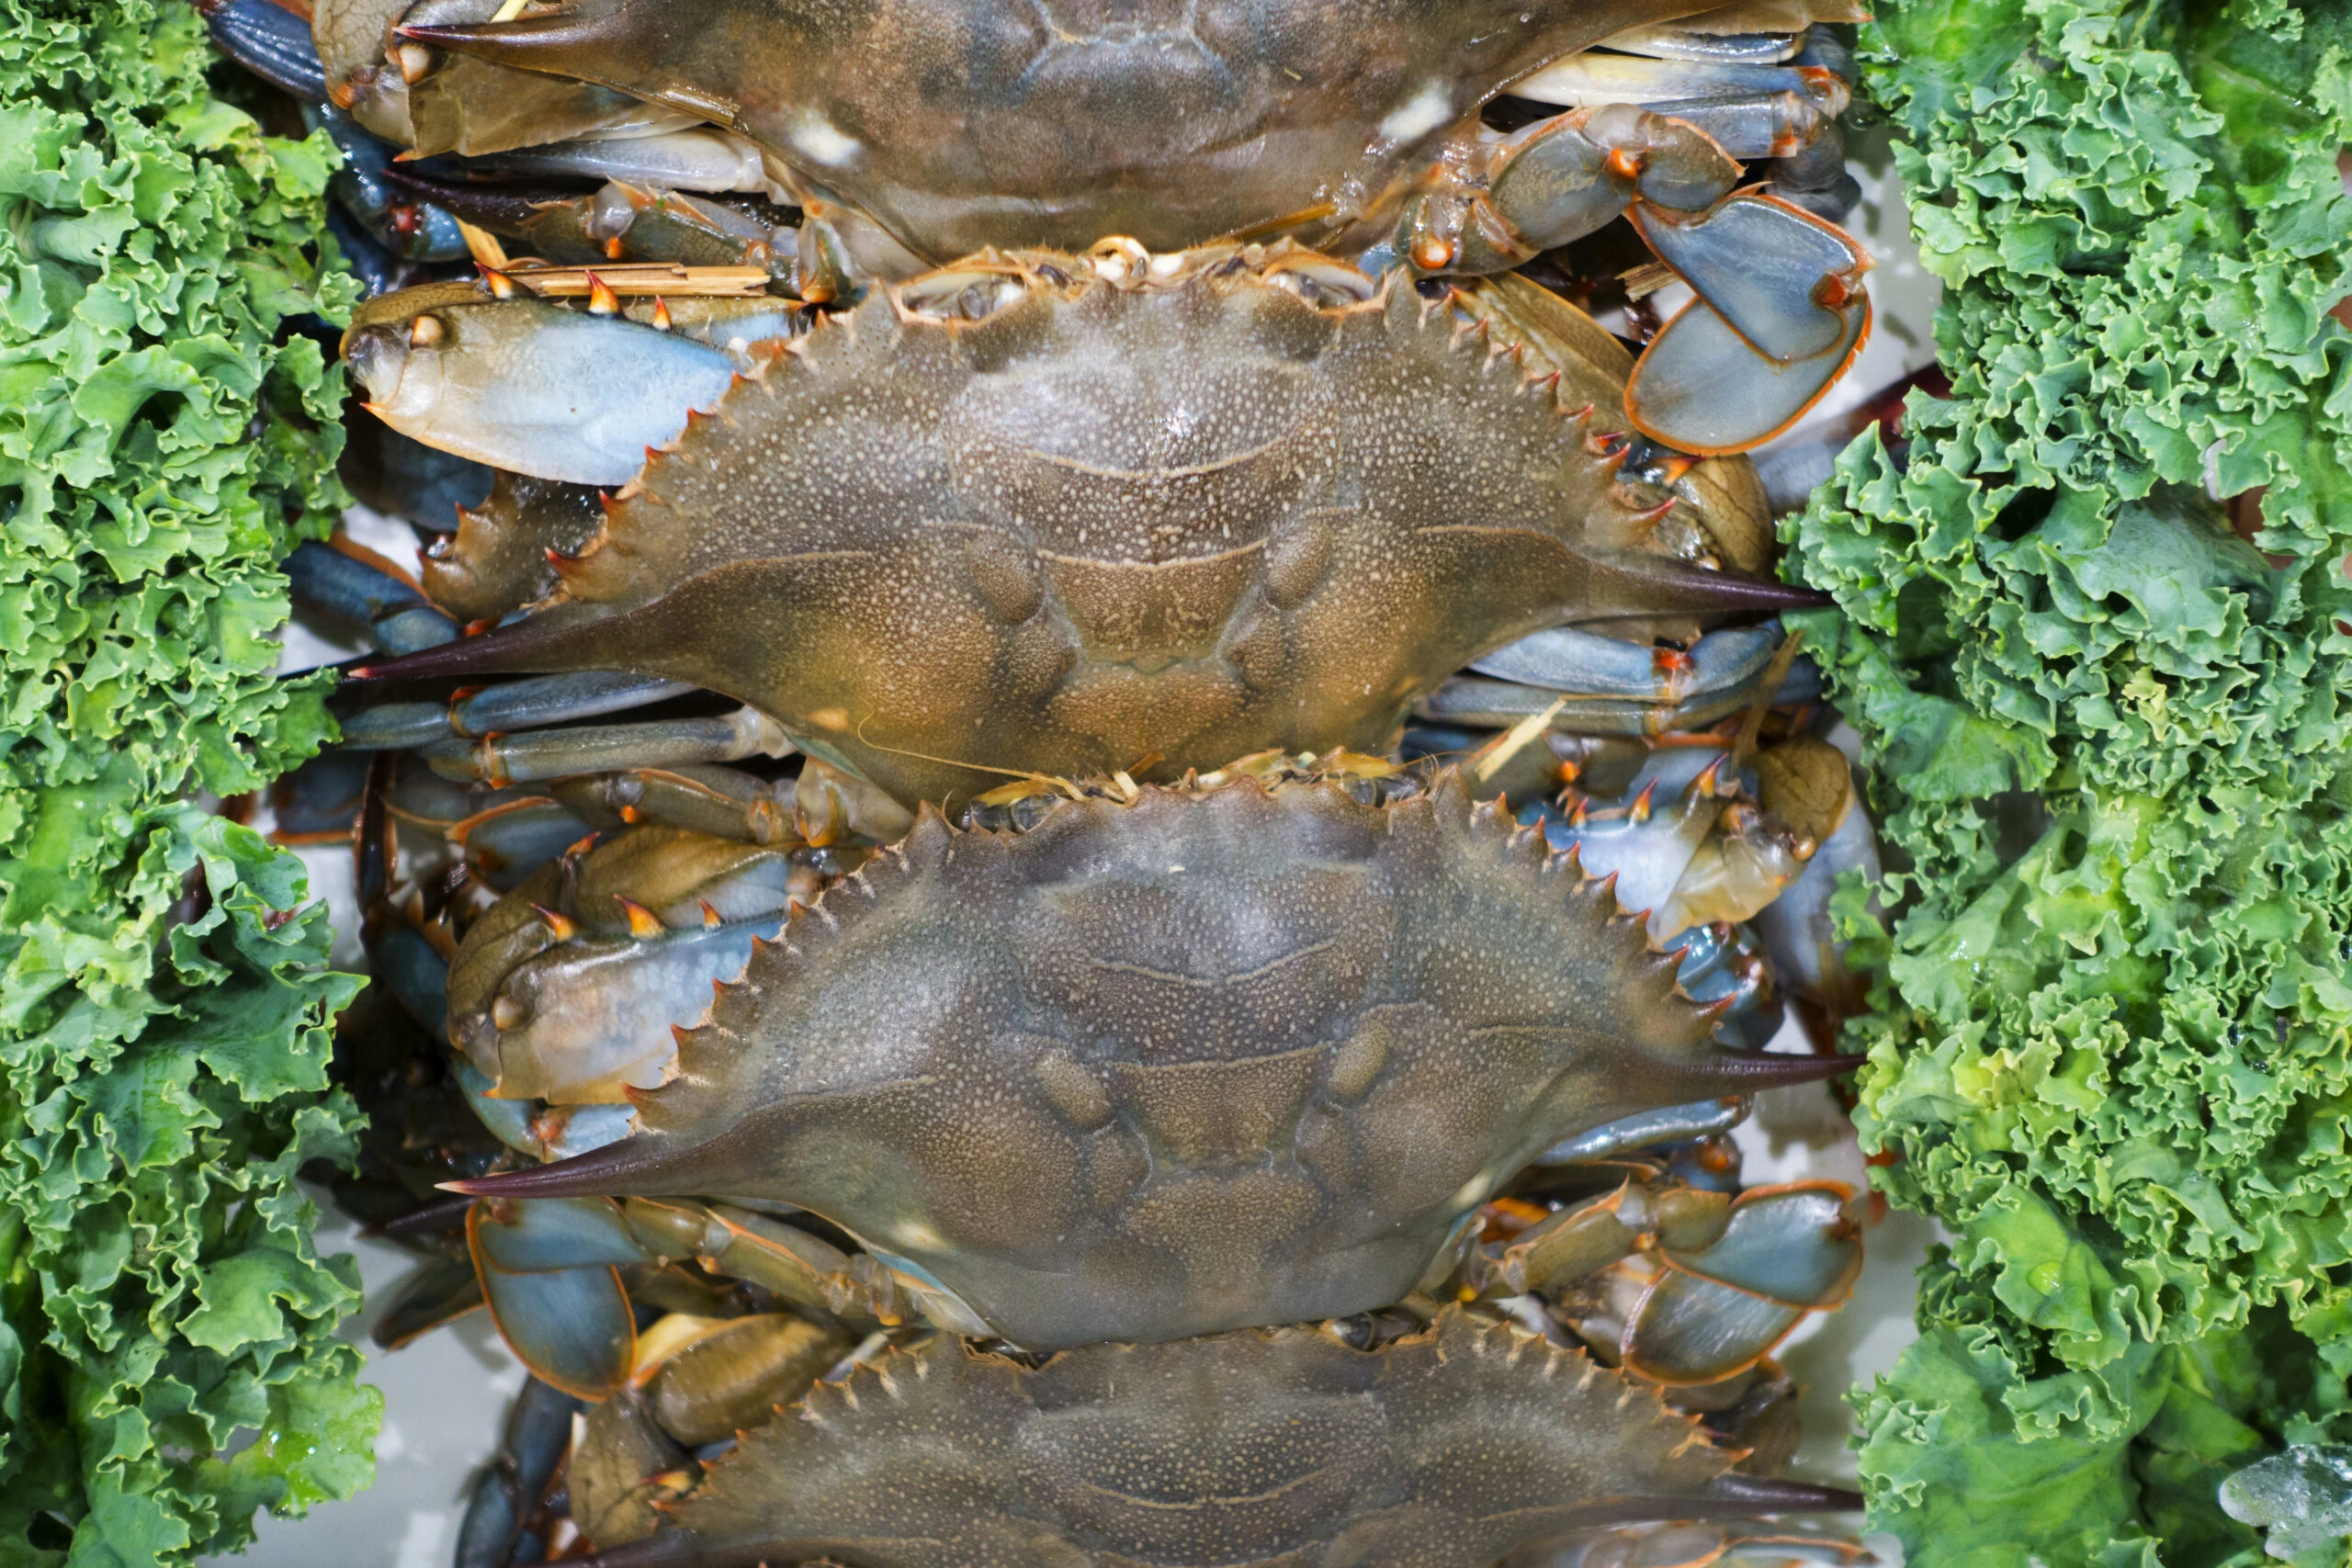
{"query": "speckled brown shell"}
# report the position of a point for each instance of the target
(1109, 527)
(1449, 1449)
(1215, 1058)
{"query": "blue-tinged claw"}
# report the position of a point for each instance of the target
(1669, 1124)
(522, 384)
(1795, 1245)
(441, 1292)
(390, 613)
(1785, 281)
(570, 1324)
(270, 41)
(539, 1235)
(1702, 387)
(495, 1533)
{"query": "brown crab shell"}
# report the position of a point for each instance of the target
(1451, 1448)
(1148, 525)
(1211, 1059)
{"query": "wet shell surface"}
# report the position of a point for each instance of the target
(1213, 1058)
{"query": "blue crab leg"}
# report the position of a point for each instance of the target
(1586, 664)
(622, 221)
(535, 704)
(394, 616)
(270, 41)
(535, 755)
(1782, 309)
(1751, 110)
(1499, 705)
(1796, 927)
(1668, 1124)
(547, 1271)
(1684, 40)
(440, 1292)
(1769, 270)
(364, 187)
(514, 1484)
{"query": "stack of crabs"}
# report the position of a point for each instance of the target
(1085, 823)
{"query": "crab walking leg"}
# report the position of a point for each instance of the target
(1750, 111)
(1499, 705)
(626, 219)
(534, 704)
(528, 385)
(544, 1265)
(1780, 301)
(1585, 664)
(698, 159)
(513, 1486)
(537, 755)
(390, 613)
(270, 41)
(1673, 1124)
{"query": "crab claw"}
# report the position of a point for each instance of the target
(1781, 315)
(270, 41)
(547, 1271)
(518, 384)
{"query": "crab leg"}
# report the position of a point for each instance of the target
(1668, 1124)
(396, 617)
(366, 188)
(1715, 1310)
(515, 1485)
(518, 704)
(623, 222)
(528, 758)
(1586, 664)
(438, 1294)
(698, 159)
(1751, 110)
(270, 41)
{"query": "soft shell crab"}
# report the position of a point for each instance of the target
(908, 132)
(1453, 1440)
(1375, 945)
(1043, 515)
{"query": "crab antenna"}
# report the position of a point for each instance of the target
(1746, 1072)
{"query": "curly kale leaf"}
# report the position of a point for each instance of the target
(2110, 1043)
(167, 1359)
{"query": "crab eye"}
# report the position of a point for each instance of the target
(1321, 282)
